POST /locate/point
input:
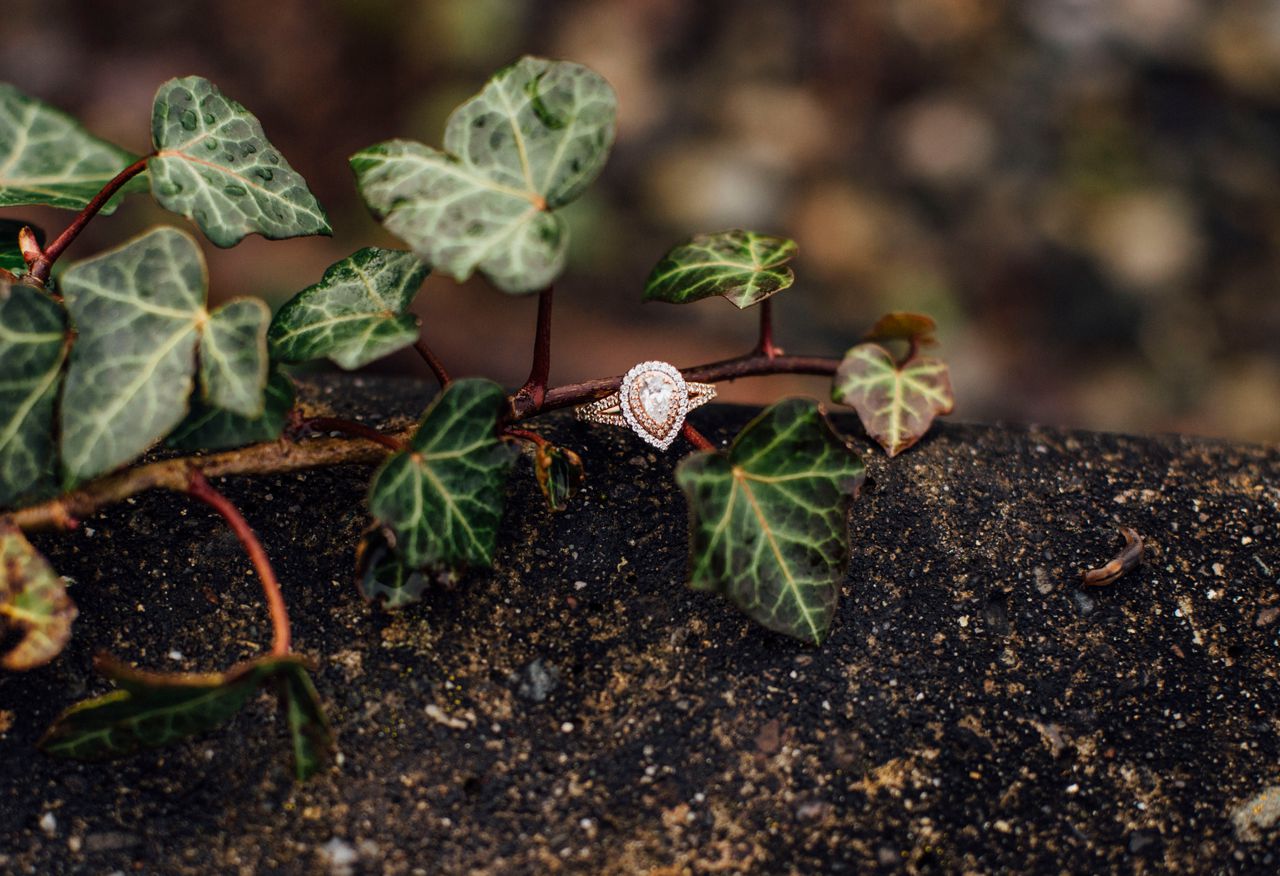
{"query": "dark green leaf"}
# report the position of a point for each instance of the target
(33, 345)
(895, 401)
(47, 158)
(358, 311)
(743, 266)
(308, 726)
(210, 428)
(233, 357)
(214, 165)
(152, 709)
(530, 142)
(33, 599)
(442, 498)
(138, 310)
(11, 259)
(383, 575)
(769, 518)
(560, 474)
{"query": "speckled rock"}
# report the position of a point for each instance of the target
(973, 710)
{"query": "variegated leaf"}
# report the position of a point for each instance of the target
(33, 600)
(895, 401)
(743, 266)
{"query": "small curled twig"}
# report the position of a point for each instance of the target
(1129, 558)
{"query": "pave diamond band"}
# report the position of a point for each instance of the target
(652, 401)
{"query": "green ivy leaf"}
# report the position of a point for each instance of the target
(210, 428)
(559, 473)
(308, 727)
(357, 313)
(769, 518)
(11, 259)
(896, 401)
(138, 310)
(33, 599)
(214, 165)
(442, 499)
(47, 158)
(383, 576)
(153, 709)
(530, 142)
(233, 357)
(33, 345)
(743, 266)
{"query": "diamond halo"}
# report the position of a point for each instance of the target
(654, 399)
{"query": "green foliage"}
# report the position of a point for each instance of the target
(152, 709)
(11, 259)
(33, 345)
(382, 576)
(442, 498)
(357, 313)
(47, 158)
(769, 518)
(214, 165)
(233, 357)
(530, 142)
(896, 401)
(559, 473)
(33, 599)
(743, 266)
(309, 733)
(140, 312)
(210, 428)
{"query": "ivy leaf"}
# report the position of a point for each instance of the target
(33, 345)
(308, 726)
(138, 310)
(233, 357)
(11, 259)
(356, 313)
(559, 473)
(441, 499)
(214, 165)
(530, 142)
(896, 401)
(743, 266)
(47, 158)
(383, 576)
(769, 518)
(33, 598)
(153, 709)
(901, 326)
(210, 428)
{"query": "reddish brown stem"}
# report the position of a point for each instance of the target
(531, 395)
(352, 428)
(433, 362)
(752, 365)
(199, 487)
(44, 262)
(765, 347)
(526, 435)
(696, 438)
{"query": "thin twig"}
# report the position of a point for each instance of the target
(696, 438)
(525, 435)
(433, 362)
(171, 474)
(765, 347)
(352, 428)
(530, 396)
(199, 487)
(41, 267)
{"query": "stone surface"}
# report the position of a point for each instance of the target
(973, 710)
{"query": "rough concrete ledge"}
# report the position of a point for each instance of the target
(578, 710)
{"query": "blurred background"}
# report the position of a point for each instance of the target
(1084, 193)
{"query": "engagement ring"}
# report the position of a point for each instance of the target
(652, 401)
